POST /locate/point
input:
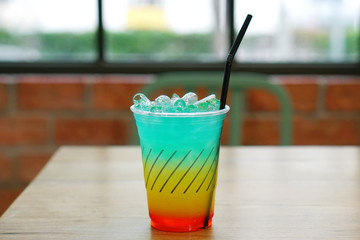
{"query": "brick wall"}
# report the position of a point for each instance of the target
(38, 113)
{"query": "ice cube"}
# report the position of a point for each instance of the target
(173, 109)
(210, 108)
(188, 103)
(202, 106)
(190, 98)
(144, 107)
(206, 104)
(174, 96)
(191, 108)
(140, 100)
(163, 100)
(156, 109)
(180, 103)
(208, 98)
(215, 102)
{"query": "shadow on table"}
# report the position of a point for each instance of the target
(201, 234)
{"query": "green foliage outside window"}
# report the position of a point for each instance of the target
(59, 46)
(152, 46)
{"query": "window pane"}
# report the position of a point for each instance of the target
(43, 30)
(300, 30)
(165, 30)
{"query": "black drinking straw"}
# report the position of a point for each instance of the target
(230, 59)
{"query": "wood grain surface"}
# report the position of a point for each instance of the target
(262, 193)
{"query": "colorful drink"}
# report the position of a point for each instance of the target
(180, 153)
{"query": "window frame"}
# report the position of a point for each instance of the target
(101, 66)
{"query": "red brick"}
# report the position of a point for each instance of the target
(5, 168)
(261, 100)
(3, 96)
(51, 93)
(91, 131)
(343, 96)
(255, 131)
(303, 96)
(323, 131)
(303, 93)
(117, 91)
(114, 95)
(260, 131)
(23, 130)
(7, 197)
(31, 164)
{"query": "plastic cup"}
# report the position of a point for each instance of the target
(180, 153)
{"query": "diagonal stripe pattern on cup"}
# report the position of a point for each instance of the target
(180, 156)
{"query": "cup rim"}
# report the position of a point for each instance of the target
(195, 114)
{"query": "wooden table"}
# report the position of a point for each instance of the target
(262, 193)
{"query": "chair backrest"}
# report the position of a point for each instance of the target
(240, 82)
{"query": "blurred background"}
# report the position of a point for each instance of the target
(164, 30)
(69, 69)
